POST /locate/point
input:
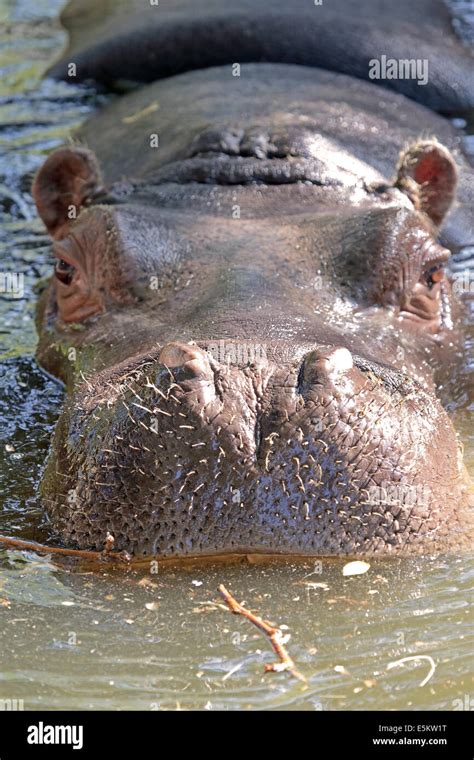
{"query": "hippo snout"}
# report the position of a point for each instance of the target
(185, 452)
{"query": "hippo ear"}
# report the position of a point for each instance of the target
(68, 179)
(427, 173)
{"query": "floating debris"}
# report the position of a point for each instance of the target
(152, 606)
(427, 657)
(275, 635)
(355, 568)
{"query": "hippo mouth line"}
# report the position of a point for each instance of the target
(221, 169)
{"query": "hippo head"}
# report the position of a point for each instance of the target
(249, 335)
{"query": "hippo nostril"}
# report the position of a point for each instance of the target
(186, 356)
(192, 369)
(177, 354)
(337, 360)
(323, 364)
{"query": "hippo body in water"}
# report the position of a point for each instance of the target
(251, 313)
(145, 40)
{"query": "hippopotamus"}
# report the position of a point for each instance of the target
(252, 314)
(112, 41)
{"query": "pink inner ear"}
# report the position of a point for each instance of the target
(69, 177)
(429, 168)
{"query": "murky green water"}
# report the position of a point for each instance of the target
(120, 639)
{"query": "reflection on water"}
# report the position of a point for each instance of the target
(75, 637)
(141, 641)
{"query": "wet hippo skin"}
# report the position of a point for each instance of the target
(370, 124)
(133, 40)
(252, 320)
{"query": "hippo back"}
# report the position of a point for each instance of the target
(143, 41)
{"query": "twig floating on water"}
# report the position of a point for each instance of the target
(17, 543)
(432, 663)
(231, 672)
(275, 636)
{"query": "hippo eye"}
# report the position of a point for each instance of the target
(64, 271)
(433, 265)
(434, 274)
(77, 286)
(426, 298)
